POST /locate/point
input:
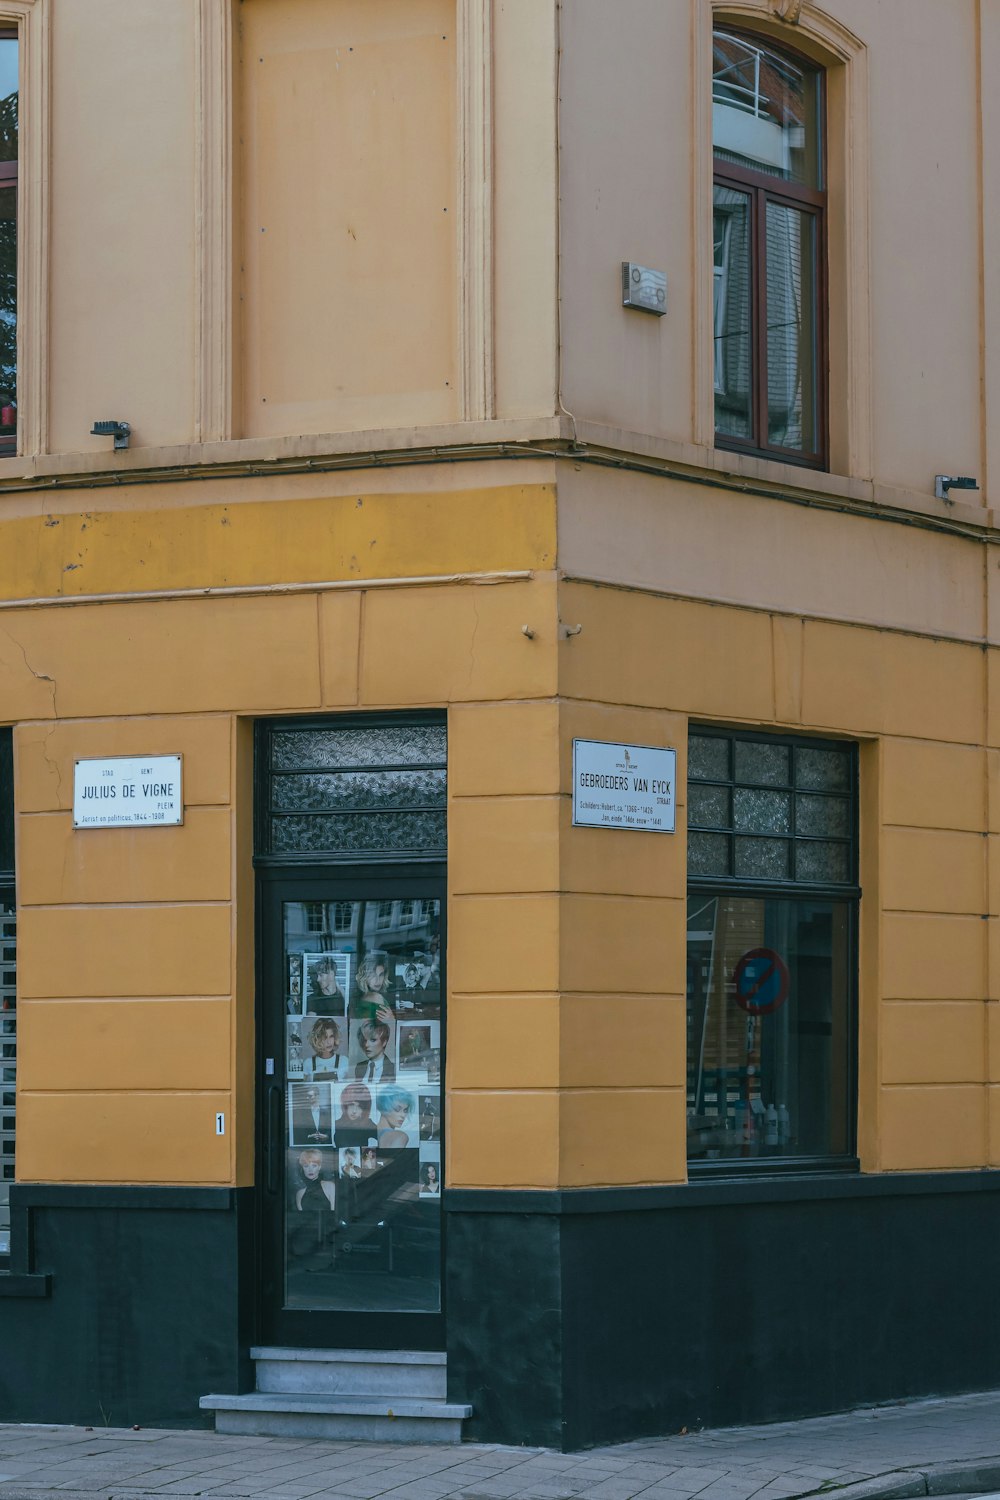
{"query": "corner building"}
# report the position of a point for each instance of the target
(377, 1049)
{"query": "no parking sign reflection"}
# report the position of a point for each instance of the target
(761, 982)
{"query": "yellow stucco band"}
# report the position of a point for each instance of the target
(345, 537)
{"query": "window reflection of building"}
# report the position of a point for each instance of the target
(8, 238)
(768, 246)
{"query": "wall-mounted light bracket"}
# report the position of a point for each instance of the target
(120, 431)
(945, 482)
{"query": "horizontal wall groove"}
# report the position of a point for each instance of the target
(223, 901)
(242, 590)
(66, 812)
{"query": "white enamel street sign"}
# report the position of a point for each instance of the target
(128, 791)
(623, 786)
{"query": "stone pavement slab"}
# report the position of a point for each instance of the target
(914, 1448)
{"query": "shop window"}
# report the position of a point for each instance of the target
(769, 206)
(8, 991)
(771, 950)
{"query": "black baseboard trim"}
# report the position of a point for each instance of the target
(25, 1284)
(141, 1196)
(719, 1191)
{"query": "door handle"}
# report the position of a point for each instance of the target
(272, 1145)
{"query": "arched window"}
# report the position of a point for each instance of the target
(770, 250)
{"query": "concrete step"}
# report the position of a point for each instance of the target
(346, 1418)
(385, 1373)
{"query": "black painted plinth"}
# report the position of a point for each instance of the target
(596, 1319)
(143, 1313)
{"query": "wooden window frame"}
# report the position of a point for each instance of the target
(9, 179)
(762, 189)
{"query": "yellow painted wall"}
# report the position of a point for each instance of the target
(567, 1047)
(136, 946)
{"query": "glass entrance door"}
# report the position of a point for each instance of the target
(352, 1117)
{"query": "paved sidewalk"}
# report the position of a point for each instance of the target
(943, 1446)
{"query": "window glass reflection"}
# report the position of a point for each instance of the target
(768, 1027)
(363, 1015)
(732, 293)
(765, 109)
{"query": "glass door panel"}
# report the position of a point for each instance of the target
(359, 1012)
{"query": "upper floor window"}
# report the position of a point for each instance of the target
(769, 206)
(8, 241)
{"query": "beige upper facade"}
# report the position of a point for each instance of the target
(377, 224)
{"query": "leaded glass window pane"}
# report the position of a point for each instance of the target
(761, 764)
(708, 807)
(749, 792)
(708, 758)
(373, 790)
(822, 770)
(761, 812)
(829, 816)
(762, 859)
(708, 854)
(821, 862)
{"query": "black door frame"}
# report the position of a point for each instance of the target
(279, 877)
(316, 1328)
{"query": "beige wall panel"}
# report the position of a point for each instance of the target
(622, 1136)
(613, 861)
(121, 950)
(745, 549)
(189, 863)
(933, 870)
(928, 785)
(503, 844)
(121, 241)
(503, 1041)
(993, 1041)
(46, 753)
(27, 690)
(503, 749)
(788, 645)
(993, 791)
(928, 1043)
(924, 391)
(992, 926)
(168, 1138)
(525, 207)
(622, 945)
(185, 655)
(994, 1126)
(992, 905)
(933, 957)
(339, 648)
(93, 1045)
(623, 1041)
(993, 697)
(339, 185)
(503, 944)
(928, 1129)
(868, 681)
(698, 658)
(624, 367)
(442, 644)
(989, 101)
(503, 1140)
